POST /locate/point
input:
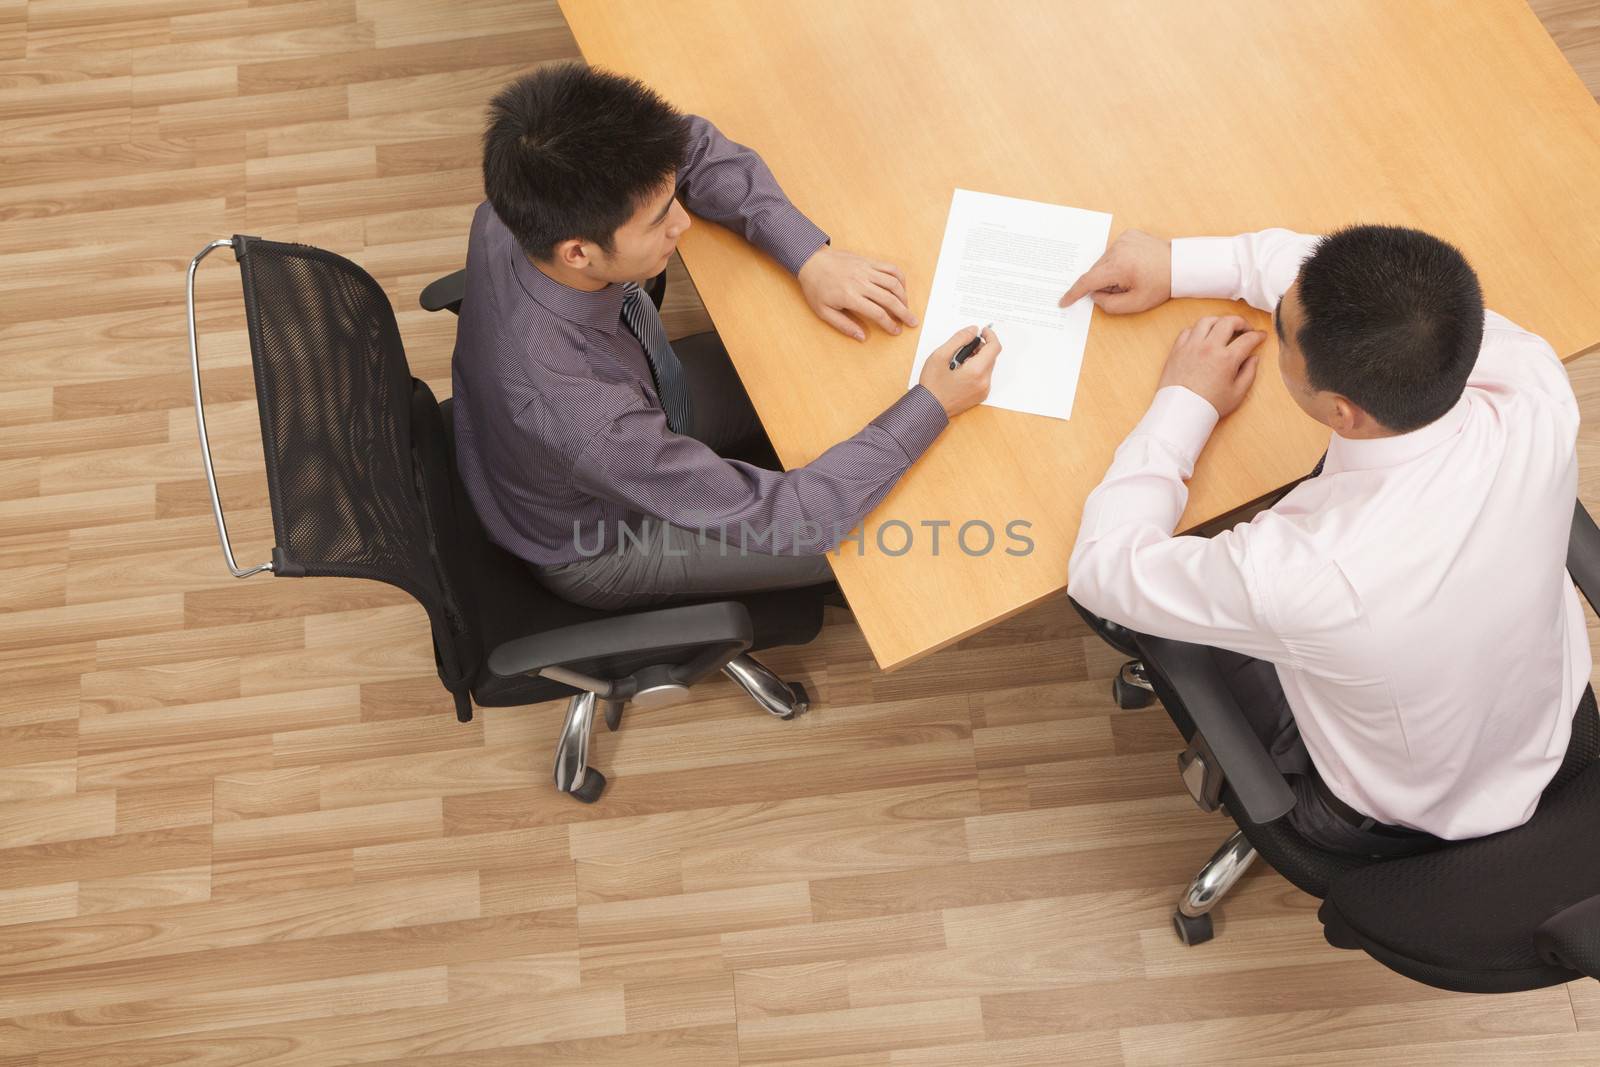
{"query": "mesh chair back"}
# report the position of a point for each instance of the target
(337, 401)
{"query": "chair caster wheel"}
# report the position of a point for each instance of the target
(594, 783)
(1192, 929)
(802, 701)
(1130, 689)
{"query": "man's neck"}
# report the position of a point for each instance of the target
(1371, 432)
(572, 279)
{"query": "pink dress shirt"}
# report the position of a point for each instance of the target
(1413, 597)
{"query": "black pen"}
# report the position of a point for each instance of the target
(965, 352)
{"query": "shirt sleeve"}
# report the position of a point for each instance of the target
(636, 461)
(1257, 268)
(729, 184)
(1127, 567)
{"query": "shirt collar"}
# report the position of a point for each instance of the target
(1347, 454)
(601, 309)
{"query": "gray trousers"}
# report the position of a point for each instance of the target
(665, 562)
(1254, 684)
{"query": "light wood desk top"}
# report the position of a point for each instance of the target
(1459, 118)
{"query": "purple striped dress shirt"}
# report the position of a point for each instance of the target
(558, 428)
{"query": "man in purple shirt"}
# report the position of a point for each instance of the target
(593, 448)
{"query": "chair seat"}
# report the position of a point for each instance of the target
(511, 603)
(1463, 917)
(1307, 867)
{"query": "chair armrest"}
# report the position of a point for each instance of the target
(1186, 678)
(1117, 636)
(1583, 555)
(1571, 938)
(444, 294)
(717, 629)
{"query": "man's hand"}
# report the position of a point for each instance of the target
(838, 285)
(967, 385)
(1135, 274)
(1216, 359)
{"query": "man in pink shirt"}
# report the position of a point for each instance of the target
(1400, 627)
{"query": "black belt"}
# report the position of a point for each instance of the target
(1355, 818)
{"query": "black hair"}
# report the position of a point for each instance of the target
(1392, 318)
(571, 152)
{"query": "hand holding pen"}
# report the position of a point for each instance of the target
(957, 373)
(965, 352)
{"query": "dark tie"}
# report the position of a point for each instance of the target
(640, 317)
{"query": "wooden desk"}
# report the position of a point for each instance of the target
(1459, 118)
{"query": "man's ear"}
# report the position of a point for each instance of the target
(1348, 417)
(570, 253)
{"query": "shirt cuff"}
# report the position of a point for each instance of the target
(1204, 267)
(915, 420)
(791, 238)
(1182, 419)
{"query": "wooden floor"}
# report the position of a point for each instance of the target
(240, 825)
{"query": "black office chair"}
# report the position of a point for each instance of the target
(362, 480)
(1515, 910)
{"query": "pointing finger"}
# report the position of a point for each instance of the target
(1096, 277)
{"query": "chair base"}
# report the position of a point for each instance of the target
(1192, 918)
(782, 700)
(573, 773)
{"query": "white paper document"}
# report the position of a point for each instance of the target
(1007, 261)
